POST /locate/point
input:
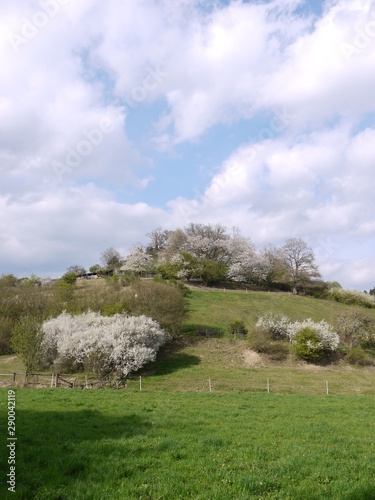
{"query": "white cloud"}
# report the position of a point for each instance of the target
(307, 173)
(317, 186)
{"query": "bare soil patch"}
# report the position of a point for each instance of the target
(252, 358)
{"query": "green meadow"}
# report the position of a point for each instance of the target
(177, 440)
(157, 445)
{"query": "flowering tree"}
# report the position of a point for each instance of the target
(246, 265)
(138, 261)
(117, 343)
(207, 241)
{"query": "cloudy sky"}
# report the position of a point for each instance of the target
(119, 117)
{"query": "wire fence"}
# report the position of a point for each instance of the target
(136, 383)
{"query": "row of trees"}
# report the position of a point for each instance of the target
(213, 255)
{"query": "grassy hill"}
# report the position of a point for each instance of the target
(219, 308)
(176, 440)
(189, 361)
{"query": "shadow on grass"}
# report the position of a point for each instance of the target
(55, 451)
(170, 358)
(208, 331)
(365, 493)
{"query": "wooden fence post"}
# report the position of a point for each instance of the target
(14, 377)
(327, 387)
(25, 379)
(209, 384)
(140, 382)
(268, 385)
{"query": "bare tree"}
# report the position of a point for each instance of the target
(111, 258)
(176, 242)
(158, 240)
(299, 261)
(77, 270)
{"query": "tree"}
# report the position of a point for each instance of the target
(160, 301)
(208, 241)
(77, 270)
(95, 268)
(111, 259)
(68, 279)
(8, 280)
(138, 261)
(176, 242)
(356, 328)
(276, 269)
(212, 271)
(246, 265)
(182, 265)
(26, 339)
(299, 261)
(372, 291)
(158, 240)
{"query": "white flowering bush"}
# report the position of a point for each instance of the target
(117, 343)
(276, 326)
(313, 340)
(352, 297)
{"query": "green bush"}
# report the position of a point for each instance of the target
(162, 302)
(358, 356)
(6, 325)
(111, 309)
(237, 327)
(263, 343)
(308, 346)
(27, 337)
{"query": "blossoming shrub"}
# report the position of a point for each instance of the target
(352, 297)
(276, 326)
(311, 340)
(102, 344)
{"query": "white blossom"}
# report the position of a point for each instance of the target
(138, 261)
(277, 326)
(123, 343)
(327, 337)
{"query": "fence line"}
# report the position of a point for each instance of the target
(140, 383)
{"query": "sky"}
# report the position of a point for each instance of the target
(120, 117)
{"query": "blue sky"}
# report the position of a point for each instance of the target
(116, 119)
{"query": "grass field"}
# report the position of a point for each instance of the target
(114, 444)
(177, 440)
(219, 308)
